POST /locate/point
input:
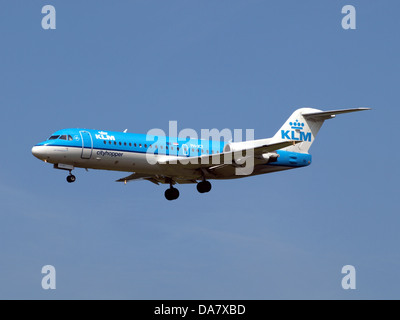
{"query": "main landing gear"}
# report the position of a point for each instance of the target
(204, 186)
(173, 193)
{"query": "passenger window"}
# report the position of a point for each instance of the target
(105, 142)
(145, 145)
(124, 143)
(130, 144)
(135, 144)
(115, 143)
(140, 145)
(109, 142)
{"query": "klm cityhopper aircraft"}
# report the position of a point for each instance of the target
(167, 160)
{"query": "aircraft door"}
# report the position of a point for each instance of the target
(87, 144)
(185, 150)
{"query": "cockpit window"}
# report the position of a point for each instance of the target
(61, 137)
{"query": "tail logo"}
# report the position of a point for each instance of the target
(297, 133)
(297, 125)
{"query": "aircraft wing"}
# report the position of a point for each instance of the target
(207, 161)
(204, 161)
(156, 179)
(134, 176)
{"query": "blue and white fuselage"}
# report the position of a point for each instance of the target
(161, 159)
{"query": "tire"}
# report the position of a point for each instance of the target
(207, 186)
(71, 179)
(204, 187)
(175, 193)
(171, 194)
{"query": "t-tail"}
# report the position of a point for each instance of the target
(304, 124)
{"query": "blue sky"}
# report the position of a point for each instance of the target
(114, 65)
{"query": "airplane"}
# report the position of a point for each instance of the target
(168, 160)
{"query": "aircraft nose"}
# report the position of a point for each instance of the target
(38, 152)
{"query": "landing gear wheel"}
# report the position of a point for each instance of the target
(171, 194)
(71, 178)
(204, 187)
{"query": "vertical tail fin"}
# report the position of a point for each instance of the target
(304, 124)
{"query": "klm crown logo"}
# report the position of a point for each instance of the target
(297, 125)
(297, 133)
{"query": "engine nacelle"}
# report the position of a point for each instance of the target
(270, 157)
(239, 156)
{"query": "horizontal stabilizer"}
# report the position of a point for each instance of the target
(325, 115)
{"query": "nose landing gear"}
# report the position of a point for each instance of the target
(71, 178)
